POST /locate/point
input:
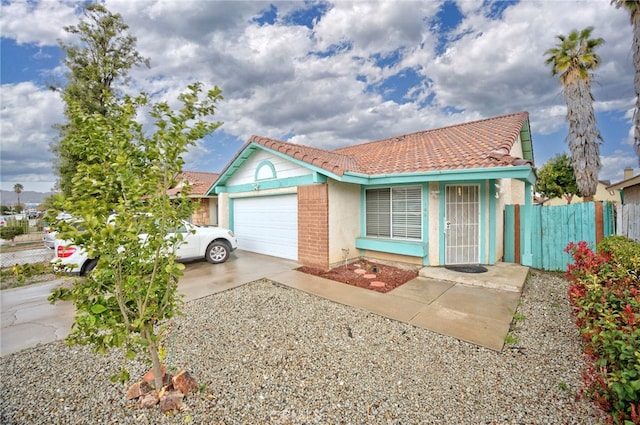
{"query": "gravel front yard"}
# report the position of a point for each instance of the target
(264, 353)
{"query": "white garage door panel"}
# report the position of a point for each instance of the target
(267, 225)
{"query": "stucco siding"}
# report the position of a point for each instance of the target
(283, 169)
(632, 194)
(516, 149)
(344, 220)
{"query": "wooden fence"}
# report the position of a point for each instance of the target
(552, 228)
(628, 220)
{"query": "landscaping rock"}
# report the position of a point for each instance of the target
(184, 382)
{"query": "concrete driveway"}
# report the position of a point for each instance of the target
(28, 319)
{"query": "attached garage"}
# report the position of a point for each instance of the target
(267, 225)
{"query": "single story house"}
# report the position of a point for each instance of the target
(630, 187)
(430, 198)
(206, 213)
(603, 193)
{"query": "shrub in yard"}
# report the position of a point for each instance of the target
(10, 232)
(605, 296)
(625, 251)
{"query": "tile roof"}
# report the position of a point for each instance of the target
(330, 161)
(478, 144)
(200, 182)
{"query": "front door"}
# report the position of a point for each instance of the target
(462, 224)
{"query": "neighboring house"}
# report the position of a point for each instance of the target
(629, 187)
(206, 213)
(603, 193)
(431, 198)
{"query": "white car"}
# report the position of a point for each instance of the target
(214, 244)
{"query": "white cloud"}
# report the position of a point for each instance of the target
(276, 84)
(27, 115)
(40, 23)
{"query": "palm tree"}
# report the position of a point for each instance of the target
(633, 6)
(17, 188)
(573, 59)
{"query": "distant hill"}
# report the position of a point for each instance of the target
(8, 197)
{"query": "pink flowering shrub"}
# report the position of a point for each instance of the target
(605, 297)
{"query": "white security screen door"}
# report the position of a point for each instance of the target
(462, 224)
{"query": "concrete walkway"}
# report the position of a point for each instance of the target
(476, 308)
(466, 306)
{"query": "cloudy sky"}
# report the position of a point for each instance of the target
(326, 74)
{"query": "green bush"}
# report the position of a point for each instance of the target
(623, 250)
(10, 232)
(605, 296)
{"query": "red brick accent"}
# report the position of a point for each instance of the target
(313, 226)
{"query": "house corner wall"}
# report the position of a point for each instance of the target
(313, 226)
(344, 221)
(224, 215)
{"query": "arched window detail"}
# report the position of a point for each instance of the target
(265, 171)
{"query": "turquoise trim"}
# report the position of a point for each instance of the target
(265, 164)
(394, 246)
(231, 215)
(271, 184)
(521, 172)
(441, 219)
(526, 229)
(525, 140)
(493, 224)
(425, 221)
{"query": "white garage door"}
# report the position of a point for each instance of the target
(267, 225)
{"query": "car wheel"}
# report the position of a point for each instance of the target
(217, 252)
(88, 267)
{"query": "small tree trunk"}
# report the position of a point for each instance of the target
(155, 359)
(588, 198)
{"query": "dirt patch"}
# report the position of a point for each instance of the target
(366, 274)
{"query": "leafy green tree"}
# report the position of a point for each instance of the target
(101, 59)
(132, 291)
(556, 179)
(633, 7)
(573, 59)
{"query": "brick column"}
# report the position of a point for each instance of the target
(313, 226)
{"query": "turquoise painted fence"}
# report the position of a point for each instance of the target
(552, 228)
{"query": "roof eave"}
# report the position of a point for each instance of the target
(247, 151)
(521, 172)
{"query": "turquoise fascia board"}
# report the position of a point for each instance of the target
(394, 246)
(319, 174)
(525, 140)
(238, 161)
(521, 172)
(275, 184)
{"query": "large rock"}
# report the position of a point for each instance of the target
(138, 389)
(171, 401)
(149, 399)
(184, 382)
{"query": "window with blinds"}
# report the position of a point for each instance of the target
(394, 212)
